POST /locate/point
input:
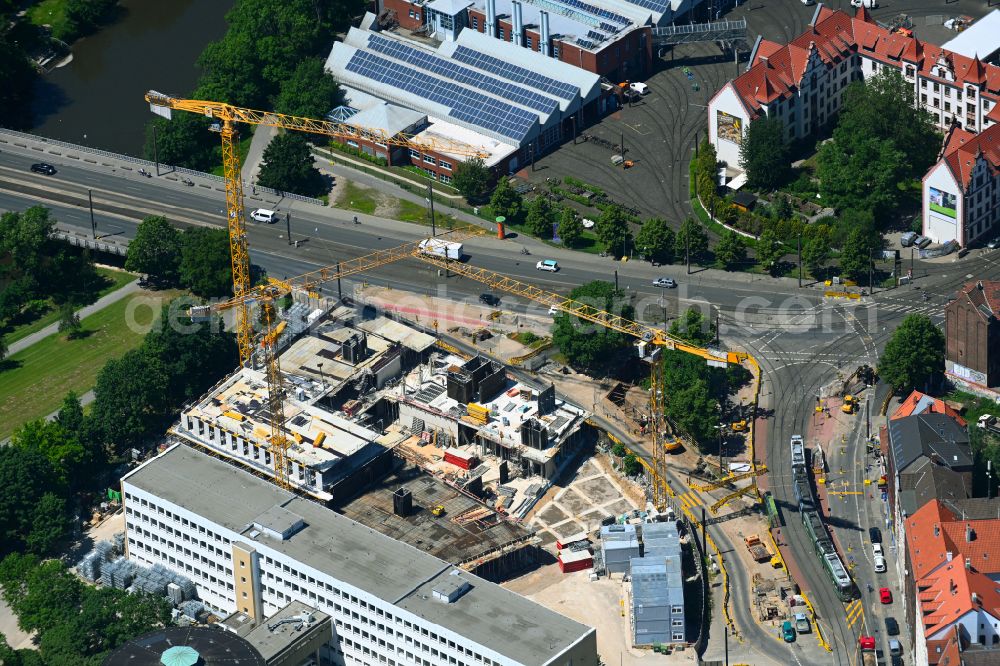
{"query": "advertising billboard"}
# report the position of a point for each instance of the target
(729, 128)
(943, 202)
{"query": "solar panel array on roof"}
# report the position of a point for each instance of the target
(596, 36)
(597, 11)
(437, 65)
(586, 43)
(464, 105)
(514, 73)
(659, 6)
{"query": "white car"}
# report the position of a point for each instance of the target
(587, 224)
(665, 283)
(264, 215)
(553, 311)
(870, 4)
(549, 265)
(639, 87)
(877, 550)
(879, 564)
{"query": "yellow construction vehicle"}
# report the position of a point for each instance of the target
(437, 510)
(739, 426)
(850, 404)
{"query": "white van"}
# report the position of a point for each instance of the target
(639, 87)
(264, 215)
(870, 4)
(879, 564)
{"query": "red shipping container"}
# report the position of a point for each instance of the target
(570, 561)
(460, 458)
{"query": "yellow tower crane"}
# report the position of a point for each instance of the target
(244, 296)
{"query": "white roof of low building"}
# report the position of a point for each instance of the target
(978, 40)
(449, 7)
(389, 118)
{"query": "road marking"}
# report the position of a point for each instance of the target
(855, 611)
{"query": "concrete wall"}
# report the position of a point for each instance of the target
(939, 227)
(726, 101)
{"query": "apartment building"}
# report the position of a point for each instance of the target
(252, 547)
(802, 82)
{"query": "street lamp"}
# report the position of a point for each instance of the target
(321, 377)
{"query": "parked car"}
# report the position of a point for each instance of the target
(549, 265)
(906, 240)
(870, 4)
(553, 311)
(42, 167)
(895, 648)
(875, 534)
(879, 564)
(489, 299)
(891, 626)
(877, 550)
(885, 595)
(788, 632)
(922, 241)
(665, 283)
(994, 244)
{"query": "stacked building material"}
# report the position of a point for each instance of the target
(117, 574)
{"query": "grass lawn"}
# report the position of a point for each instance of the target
(34, 381)
(50, 12)
(246, 138)
(357, 198)
(114, 280)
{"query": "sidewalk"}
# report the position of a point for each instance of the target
(251, 165)
(52, 329)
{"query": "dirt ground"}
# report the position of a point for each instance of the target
(597, 604)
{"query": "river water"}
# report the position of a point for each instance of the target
(97, 99)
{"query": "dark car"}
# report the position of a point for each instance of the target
(875, 534)
(891, 626)
(42, 167)
(489, 299)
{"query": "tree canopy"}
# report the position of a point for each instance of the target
(472, 178)
(613, 230)
(506, 202)
(692, 232)
(731, 250)
(25, 476)
(17, 80)
(288, 166)
(656, 240)
(570, 227)
(693, 327)
(913, 355)
(155, 250)
(863, 245)
(592, 348)
(206, 267)
(540, 217)
(764, 154)
(310, 91)
(769, 248)
(816, 247)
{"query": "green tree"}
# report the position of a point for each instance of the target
(206, 267)
(656, 240)
(52, 593)
(3, 349)
(590, 347)
(691, 237)
(130, 401)
(540, 218)
(68, 456)
(155, 250)
(506, 201)
(731, 250)
(288, 167)
(863, 245)
(69, 321)
(310, 91)
(183, 141)
(24, 475)
(692, 404)
(472, 178)
(770, 249)
(85, 16)
(570, 227)
(764, 153)
(190, 356)
(693, 327)
(612, 229)
(70, 414)
(51, 524)
(17, 80)
(816, 247)
(862, 174)
(631, 465)
(913, 355)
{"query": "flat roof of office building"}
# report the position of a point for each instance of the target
(978, 40)
(360, 556)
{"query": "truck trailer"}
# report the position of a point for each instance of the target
(441, 248)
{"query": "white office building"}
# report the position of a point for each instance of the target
(252, 547)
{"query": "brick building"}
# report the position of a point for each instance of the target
(972, 335)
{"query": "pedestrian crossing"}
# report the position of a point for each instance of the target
(916, 307)
(855, 611)
(691, 501)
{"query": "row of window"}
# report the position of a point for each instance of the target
(430, 159)
(148, 558)
(135, 546)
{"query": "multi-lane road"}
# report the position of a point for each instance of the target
(801, 340)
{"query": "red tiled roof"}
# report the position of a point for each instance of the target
(777, 70)
(949, 597)
(983, 293)
(934, 531)
(962, 148)
(945, 651)
(926, 405)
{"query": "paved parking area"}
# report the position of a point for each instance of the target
(660, 132)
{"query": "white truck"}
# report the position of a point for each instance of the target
(441, 248)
